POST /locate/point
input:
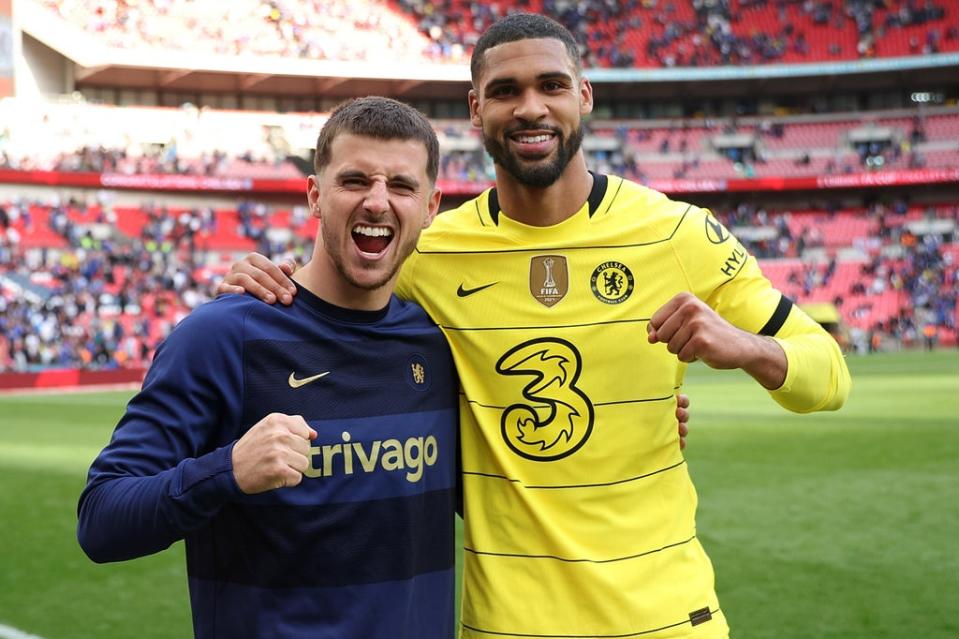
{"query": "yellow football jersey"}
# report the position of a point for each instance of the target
(579, 509)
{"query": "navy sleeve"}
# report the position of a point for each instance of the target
(168, 468)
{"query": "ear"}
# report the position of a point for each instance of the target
(475, 118)
(433, 207)
(585, 97)
(313, 195)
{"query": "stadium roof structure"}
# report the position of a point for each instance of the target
(913, 73)
(96, 65)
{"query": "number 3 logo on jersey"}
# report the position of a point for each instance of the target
(558, 417)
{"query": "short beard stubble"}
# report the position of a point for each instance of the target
(540, 175)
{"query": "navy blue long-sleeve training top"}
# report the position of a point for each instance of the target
(363, 547)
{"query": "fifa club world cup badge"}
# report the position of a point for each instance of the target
(548, 279)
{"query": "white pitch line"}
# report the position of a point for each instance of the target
(63, 390)
(9, 632)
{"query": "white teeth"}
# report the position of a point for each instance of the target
(373, 231)
(532, 139)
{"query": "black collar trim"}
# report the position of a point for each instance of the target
(596, 195)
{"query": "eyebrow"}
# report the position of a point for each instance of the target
(407, 180)
(551, 75)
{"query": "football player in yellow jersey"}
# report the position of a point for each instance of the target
(572, 303)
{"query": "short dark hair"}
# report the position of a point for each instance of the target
(380, 118)
(521, 26)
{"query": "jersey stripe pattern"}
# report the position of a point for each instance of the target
(579, 509)
(362, 547)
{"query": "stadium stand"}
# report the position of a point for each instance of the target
(888, 269)
(355, 30)
(673, 33)
(695, 33)
(72, 135)
(94, 286)
(85, 137)
(91, 281)
(792, 146)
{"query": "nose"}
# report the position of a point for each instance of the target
(531, 106)
(377, 198)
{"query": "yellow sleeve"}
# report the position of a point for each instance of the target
(722, 273)
(817, 377)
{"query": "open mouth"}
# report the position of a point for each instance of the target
(533, 143)
(527, 138)
(372, 239)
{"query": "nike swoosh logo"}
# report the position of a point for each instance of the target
(296, 383)
(466, 292)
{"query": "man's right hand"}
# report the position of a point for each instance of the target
(260, 277)
(682, 416)
(274, 453)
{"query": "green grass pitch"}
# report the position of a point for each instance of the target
(832, 525)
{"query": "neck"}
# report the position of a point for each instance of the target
(549, 205)
(321, 278)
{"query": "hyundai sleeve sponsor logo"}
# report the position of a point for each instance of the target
(715, 232)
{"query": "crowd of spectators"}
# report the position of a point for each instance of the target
(466, 166)
(313, 29)
(666, 33)
(929, 278)
(107, 300)
(725, 148)
(39, 333)
(463, 166)
(134, 160)
(914, 265)
(779, 242)
(685, 148)
(159, 161)
(869, 19)
(102, 302)
(904, 151)
(255, 224)
(693, 33)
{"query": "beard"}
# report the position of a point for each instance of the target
(539, 175)
(330, 240)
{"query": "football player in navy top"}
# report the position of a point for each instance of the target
(306, 453)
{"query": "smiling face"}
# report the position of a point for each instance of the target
(372, 199)
(529, 101)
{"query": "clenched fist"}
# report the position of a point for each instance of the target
(274, 453)
(692, 330)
